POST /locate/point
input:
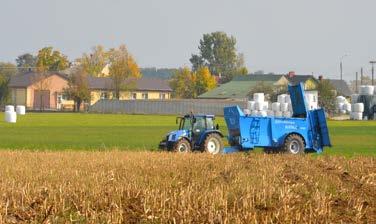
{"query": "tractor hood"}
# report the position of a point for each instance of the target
(176, 135)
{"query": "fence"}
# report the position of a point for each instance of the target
(180, 107)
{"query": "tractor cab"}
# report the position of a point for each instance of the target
(193, 132)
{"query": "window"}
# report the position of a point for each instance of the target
(133, 96)
(145, 96)
(209, 123)
(162, 96)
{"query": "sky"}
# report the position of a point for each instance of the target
(305, 36)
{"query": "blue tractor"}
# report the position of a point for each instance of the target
(196, 133)
(305, 131)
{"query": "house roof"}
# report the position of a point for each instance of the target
(144, 83)
(299, 78)
(28, 78)
(341, 87)
(102, 83)
(233, 90)
(259, 78)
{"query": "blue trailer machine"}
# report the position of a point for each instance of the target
(305, 131)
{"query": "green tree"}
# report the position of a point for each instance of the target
(6, 71)
(183, 84)
(51, 60)
(326, 95)
(123, 70)
(25, 62)
(94, 62)
(218, 53)
(78, 87)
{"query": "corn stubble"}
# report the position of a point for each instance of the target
(146, 187)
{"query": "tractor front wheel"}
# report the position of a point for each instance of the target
(213, 144)
(294, 144)
(182, 146)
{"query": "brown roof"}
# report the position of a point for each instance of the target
(102, 83)
(27, 79)
(144, 83)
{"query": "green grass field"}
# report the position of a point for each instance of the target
(65, 131)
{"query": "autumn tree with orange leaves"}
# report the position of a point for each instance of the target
(188, 84)
(124, 70)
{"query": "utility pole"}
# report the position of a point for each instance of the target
(373, 70)
(356, 82)
(361, 76)
(340, 64)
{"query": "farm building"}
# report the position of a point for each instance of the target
(47, 92)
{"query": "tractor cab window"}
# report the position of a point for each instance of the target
(199, 125)
(209, 123)
(186, 124)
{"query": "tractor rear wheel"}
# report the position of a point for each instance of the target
(213, 144)
(182, 146)
(294, 144)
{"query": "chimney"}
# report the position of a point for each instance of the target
(320, 78)
(291, 74)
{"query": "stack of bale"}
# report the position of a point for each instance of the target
(258, 107)
(364, 103)
(342, 105)
(282, 108)
(10, 115)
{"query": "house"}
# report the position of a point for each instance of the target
(309, 81)
(240, 86)
(341, 87)
(38, 92)
(143, 88)
(47, 92)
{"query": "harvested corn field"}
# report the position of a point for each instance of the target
(146, 187)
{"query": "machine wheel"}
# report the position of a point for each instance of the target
(182, 146)
(213, 144)
(294, 144)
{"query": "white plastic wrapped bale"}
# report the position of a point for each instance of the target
(281, 98)
(366, 90)
(265, 106)
(270, 113)
(284, 107)
(339, 106)
(263, 113)
(251, 105)
(356, 116)
(347, 107)
(354, 98)
(287, 99)
(358, 108)
(342, 111)
(258, 97)
(259, 105)
(278, 113)
(254, 113)
(340, 99)
(276, 106)
(10, 117)
(286, 114)
(246, 111)
(21, 110)
(290, 107)
(9, 108)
